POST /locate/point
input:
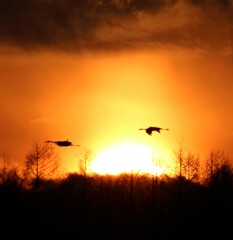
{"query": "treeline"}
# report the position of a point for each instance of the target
(80, 205)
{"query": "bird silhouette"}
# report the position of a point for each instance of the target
(149, 130)
(65, 143)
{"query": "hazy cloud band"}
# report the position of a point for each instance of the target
(115, 24)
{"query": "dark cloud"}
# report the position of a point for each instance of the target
(115, 24)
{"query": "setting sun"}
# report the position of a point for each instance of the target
(126, 157)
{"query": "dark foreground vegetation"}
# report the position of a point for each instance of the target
(81, 206)
(121, 206)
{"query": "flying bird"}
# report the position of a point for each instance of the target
(65, 143)
(149, 130)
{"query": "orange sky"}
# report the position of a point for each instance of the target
(120, 73)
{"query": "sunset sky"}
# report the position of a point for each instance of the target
(94, 72)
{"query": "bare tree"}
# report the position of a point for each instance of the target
(187, 165)
(41, 163)
(214, 162)
(191, 167)
(84, 160)
(187, 172)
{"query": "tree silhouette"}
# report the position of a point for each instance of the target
(213, 164)
(84, 157)
(84, 160)
(41, 163)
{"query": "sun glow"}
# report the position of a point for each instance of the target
(126, 158)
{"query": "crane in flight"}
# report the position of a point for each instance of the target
(149, 130)
(65, 143)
